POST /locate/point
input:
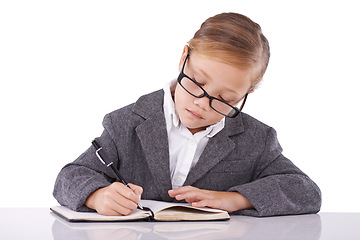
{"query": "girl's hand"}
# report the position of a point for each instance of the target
(115, 199)
(229, 201)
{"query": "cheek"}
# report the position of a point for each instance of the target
(181, 97)
(214, 117)
(183, 100)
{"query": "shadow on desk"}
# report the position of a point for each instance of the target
(238, 227)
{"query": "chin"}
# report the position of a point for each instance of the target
(195, 127)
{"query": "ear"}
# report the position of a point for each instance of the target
(183, 55)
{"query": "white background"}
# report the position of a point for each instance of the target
(65, 64)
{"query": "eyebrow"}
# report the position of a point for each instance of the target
(207, 76)
(204, 73)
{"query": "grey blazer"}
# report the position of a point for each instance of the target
(244, 157)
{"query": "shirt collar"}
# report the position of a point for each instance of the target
(172, 118)
(215, 128)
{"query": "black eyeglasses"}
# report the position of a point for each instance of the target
(194, 89)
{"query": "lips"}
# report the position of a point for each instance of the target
(194, 114)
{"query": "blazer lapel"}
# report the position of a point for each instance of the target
(217, 149)
(154, 141)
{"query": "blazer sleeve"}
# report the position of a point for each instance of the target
(77, 180)
(278, 187)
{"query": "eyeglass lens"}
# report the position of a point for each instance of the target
(191, 87)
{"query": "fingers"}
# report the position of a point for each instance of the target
(204, 203)
(124, 196)
(229, 201)
(197, 197)
(115, 205)
(189, 194)
(128, 193)
(137, 190)
(115, 199)
(181, 190)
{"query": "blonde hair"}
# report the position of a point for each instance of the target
(233, 39)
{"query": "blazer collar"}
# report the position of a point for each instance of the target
(150, 104)
(234, 126)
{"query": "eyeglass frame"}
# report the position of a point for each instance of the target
(205, 94)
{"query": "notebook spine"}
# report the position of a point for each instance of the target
(152, 217)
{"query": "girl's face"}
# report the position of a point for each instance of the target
(219, 80)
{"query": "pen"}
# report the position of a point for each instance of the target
(100, 153)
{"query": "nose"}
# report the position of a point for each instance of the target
(203, 103)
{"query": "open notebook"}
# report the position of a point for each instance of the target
(160, 211)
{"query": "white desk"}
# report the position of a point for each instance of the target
(39, 223)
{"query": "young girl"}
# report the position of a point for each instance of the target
(190, 142)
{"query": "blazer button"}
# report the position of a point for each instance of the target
(177, 180)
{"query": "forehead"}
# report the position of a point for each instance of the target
(225, 76)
